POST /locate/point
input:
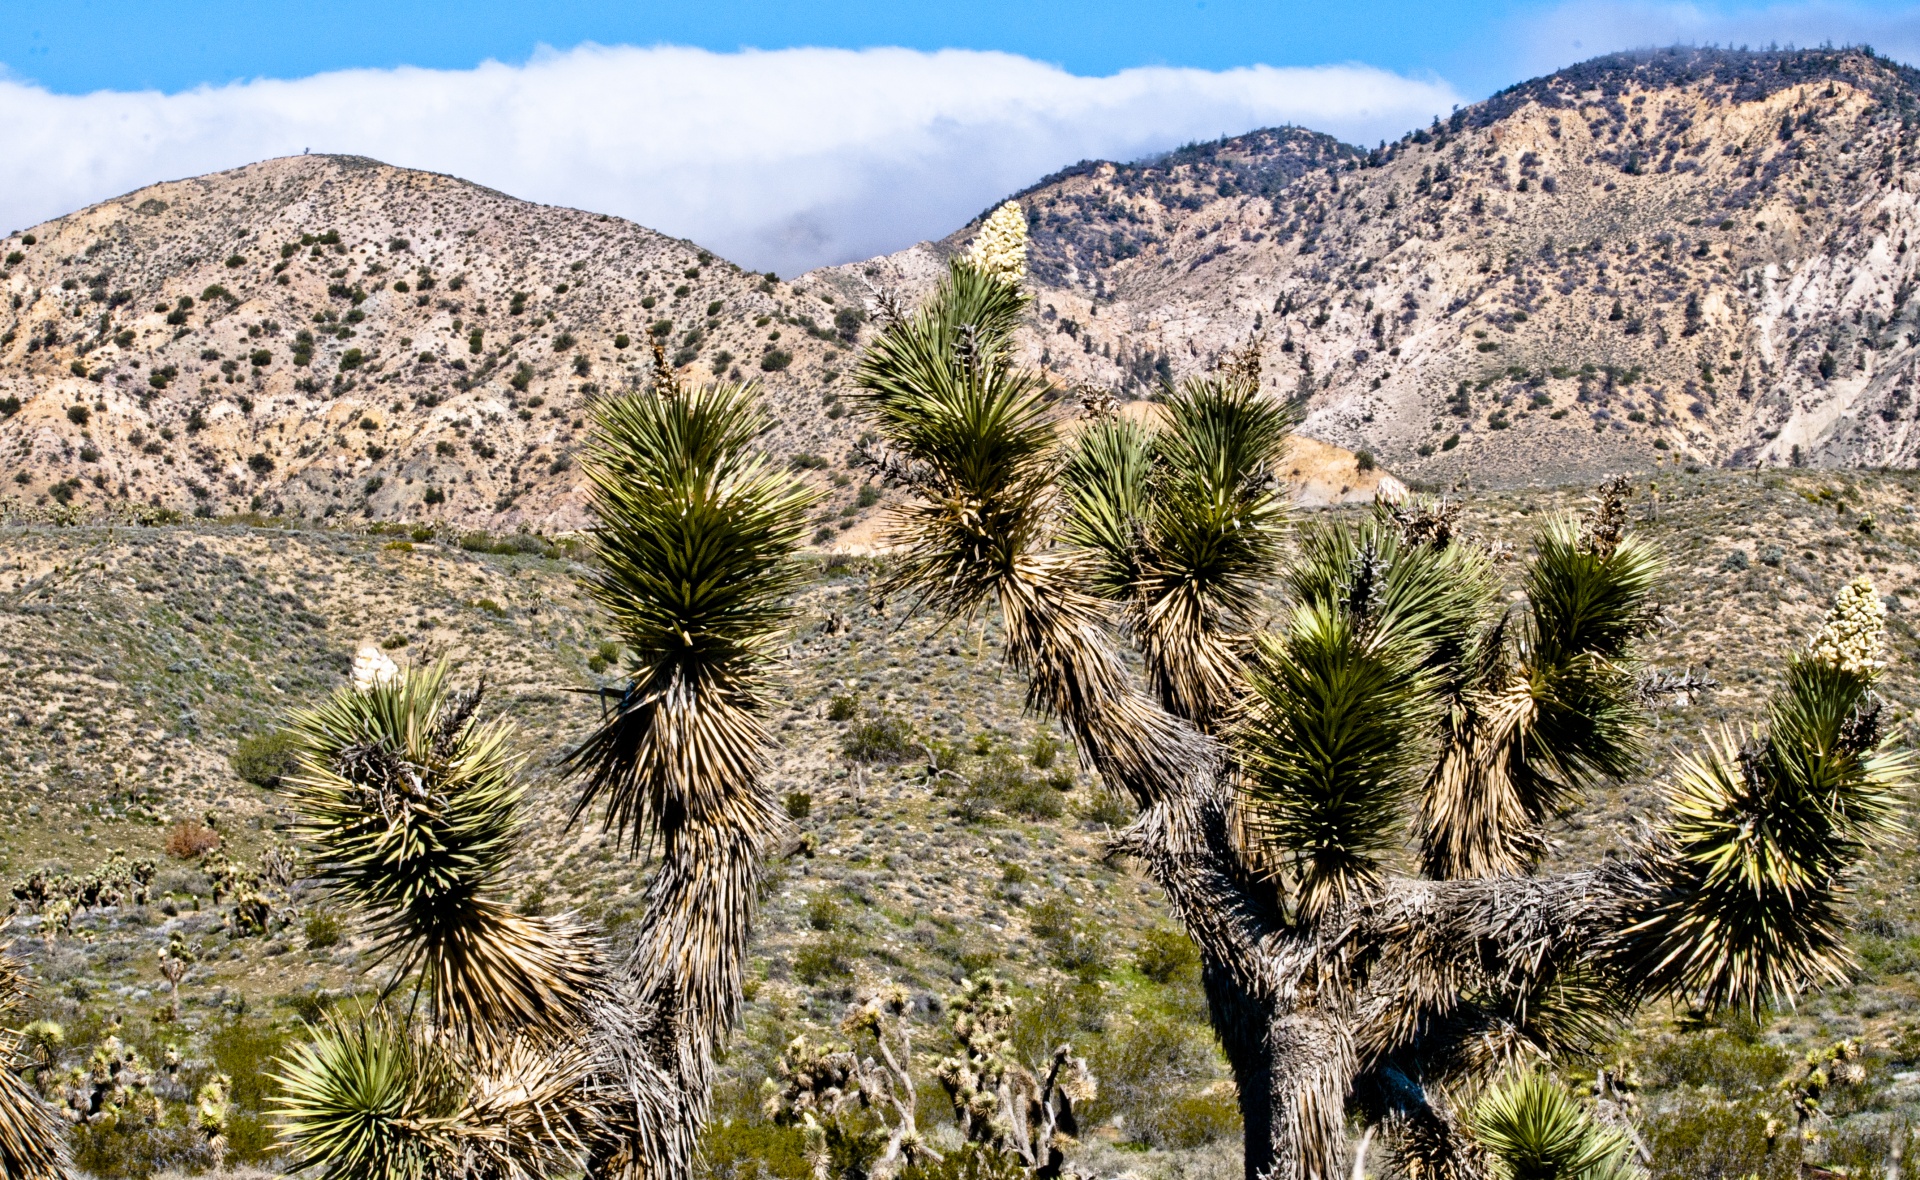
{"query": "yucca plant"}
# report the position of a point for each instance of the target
(1279, 770)
(694, 547)
(33, 1140)
(410, 808)
(536, 1057)
(1531, 1129)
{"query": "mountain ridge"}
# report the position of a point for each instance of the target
(1677, 256)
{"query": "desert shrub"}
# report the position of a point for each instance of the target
(1157, 1075)
(1735, 561)
(190, 839)
(238, 1048)
(1002, 782)
(1363, 460)
(806, 461)
(264, 760)
(1718, 1059)
(1165, 956)
(1197, 1119)
(78, 415)
(1074, 943)
(823, 913)
(322, 930)
(131, 1148)
(605, 657)
(1108, 809)
(1044, 752)
(843, 707)
(749, 1149)
(831, 957)
(1704, 1138)
(882, 737)
(775, 359)
(799, 804)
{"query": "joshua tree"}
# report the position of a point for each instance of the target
(1278, 771)
(33, 1141)
(539, 1053)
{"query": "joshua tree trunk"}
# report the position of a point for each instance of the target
(1241, 1025)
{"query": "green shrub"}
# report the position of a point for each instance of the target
(131, 1148)
(831, 957)
(775, 359)
(749, 1149)
(823, 913)
(843, 707)
(1167, 956)
(1075, 943)
(799, 804)
(882, 738)
(264, 760)
(1107, 808)
(1157, 1075)
(238, 1049)
(322, 930)
(78, 415)
(1195, 1120)
(1702, 1138)
(1045, 750)
(1002, 783)
(1718, 1059)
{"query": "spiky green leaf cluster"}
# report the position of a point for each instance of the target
(410, 809)
(1540, 702)
(1183, 525)
(693, 545)
(1342, 706)
(379, 1098)
(942, 387)
(1531, 1129)
(1749, 864)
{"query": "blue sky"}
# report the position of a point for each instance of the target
(782, 135)
(79, 45)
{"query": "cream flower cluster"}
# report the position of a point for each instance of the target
(1852, 637)
(372, 667)
(1001, 246)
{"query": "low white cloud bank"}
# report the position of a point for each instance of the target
(779, 160)
(1586, 28)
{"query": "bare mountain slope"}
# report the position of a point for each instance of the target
(1688, 254)
(325, 335)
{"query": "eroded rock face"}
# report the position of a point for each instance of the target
(326, 334)
(1694, 255)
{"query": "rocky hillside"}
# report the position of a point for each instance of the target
(1693, 255)
(1680, 256)
(326, 335)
